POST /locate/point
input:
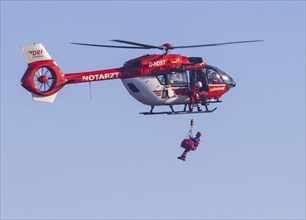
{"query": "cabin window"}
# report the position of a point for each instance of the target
(133, 88)
(161, 79)
(177, 79)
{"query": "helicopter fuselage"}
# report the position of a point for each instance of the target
(165, 79)
(162, 79)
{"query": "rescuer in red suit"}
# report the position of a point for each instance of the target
(190, 144)
(194, 95)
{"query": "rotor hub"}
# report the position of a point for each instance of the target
(168, 46)
(43, 79)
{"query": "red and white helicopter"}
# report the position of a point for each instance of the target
(154, 80)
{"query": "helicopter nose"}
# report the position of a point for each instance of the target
(231, 84)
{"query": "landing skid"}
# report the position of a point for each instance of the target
(176, 112)
(172, 112)
(214, 101)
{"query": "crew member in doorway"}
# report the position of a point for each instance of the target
(194, 95)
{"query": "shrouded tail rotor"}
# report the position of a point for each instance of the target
(43, 78)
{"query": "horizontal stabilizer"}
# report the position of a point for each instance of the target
(49, 99)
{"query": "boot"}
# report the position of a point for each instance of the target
(181, 158)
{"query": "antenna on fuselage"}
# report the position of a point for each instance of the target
(90, 92)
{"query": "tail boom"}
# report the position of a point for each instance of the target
(93, 76)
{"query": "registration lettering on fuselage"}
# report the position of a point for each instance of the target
(157, 63)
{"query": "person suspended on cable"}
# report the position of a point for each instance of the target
(190, 144)
(196, 140)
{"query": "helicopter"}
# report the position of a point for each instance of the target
(153, 79)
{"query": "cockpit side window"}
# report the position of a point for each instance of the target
(213, 77)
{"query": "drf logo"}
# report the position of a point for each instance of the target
(36, 53)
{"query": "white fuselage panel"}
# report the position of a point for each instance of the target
(149, 91)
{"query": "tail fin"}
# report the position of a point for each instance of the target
(35, 52)
(43, 78)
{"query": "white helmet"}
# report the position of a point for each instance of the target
(198, 84)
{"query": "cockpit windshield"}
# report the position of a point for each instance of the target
(226, 78)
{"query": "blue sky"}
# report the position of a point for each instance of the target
(100, 159)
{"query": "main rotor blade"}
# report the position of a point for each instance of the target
(112, 46)
(148, 46)
(218, 44)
